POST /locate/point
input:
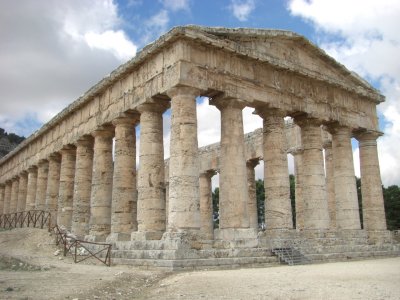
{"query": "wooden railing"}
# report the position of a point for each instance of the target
(31, 218)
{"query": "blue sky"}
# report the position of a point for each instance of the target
(53, 51)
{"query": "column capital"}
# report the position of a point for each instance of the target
(208, 173)
(15, 177)
(221, 102)
(127, 118)
(23, 173)
(56, 157)
(336, 128)
(32, 169)
(253, 162)
(296, 150)
(183, 90)
(266, 111)
(327, 144)
(154, 106)
(304, 120)
(104, 131)
(8, 181)
(85, 141)
(68, 149)
(367, 135)
(42, 162)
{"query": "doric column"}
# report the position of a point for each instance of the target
(151, 195)
(14, 195)
(347, 212)
(41, 187)
(206, 206)
(7, 197)
(31, 192)
(233, 201)
(53, 185)
(66, 187)
(278, 210)
(371, 184)
(22, 190)
(184, 202)
(251, 187)
(2, 191)
(316, 214)
(82, 186)
(102, 177)
(299, 202)
(330, 183)
(124, 208)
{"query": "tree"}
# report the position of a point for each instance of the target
(391, 196)
(215, 204)
(260, 195)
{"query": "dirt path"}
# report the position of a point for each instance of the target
(29, 270)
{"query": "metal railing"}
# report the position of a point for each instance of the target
(82, 250)
(30, 218)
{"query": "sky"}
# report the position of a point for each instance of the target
(52, 51)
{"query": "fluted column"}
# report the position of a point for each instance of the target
(151, 213)
(251, 187)
(14, 195)
(330, 183)
(371, 184)
(206, 206)
(278, 210)
(82, 186)
(102, 177)
(41, 187)
(66, 187)
(184, 202)
(22, 191)
(347, 212)
(32, 184)
(233, 201)
(7, 197)
(53, 185)
(124, 202)
(316, 214)
(299, 202)
(2, 191)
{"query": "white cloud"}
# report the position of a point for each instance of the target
(242, 9)
(364, 36)
(53, 51)
(176, 5)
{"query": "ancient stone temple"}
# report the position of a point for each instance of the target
(81, 166)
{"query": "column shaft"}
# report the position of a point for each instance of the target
(206, 207)
(82, 186)
(233, 201)
(22, 191)
(347, 212)
(371, 184)
(66, 187)
(124, 208)
(2, 192)
(41, 187)
(14, 195)
(31, 192)
(251, 187)
(330, 184)
(278, 209)
(7, 197)
(151, 214)
(316, 215)
(53, 185)
(184, 202)
(102, 177)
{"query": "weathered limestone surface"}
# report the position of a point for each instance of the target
(53, 184)
(347, 213)
(22, 190)
(233, 195)
(14, 195)
(206, 205)
(7, 197)
(31, 192)
(278, 211)
(123, 208)
(251, 187)
(66, 188)
(2, 190)
(102, 177)
(371, 185)
(151, 195)
(330, 183)
(82, 186)
(184, 203)
(41, 186)
(313, 191)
